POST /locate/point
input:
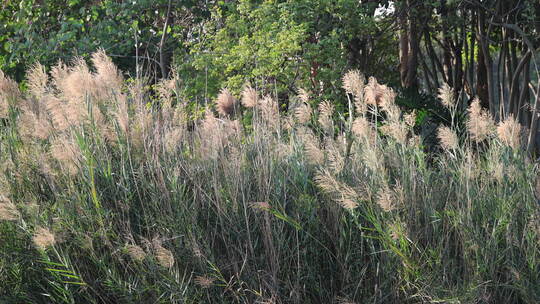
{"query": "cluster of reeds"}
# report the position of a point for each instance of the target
(117, 192)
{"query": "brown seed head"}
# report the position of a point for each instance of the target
(249, 97)
(204, 281)
(43, 238)
(509, 132)
(354, 82)
(303, 113)
(448, 138)
(135, 252)
(8, 211)
(446, 95)
(480, 124)
(225, 103)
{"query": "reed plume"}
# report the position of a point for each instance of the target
(509, 132)
(386, 199)
(164, 256)
(225, 103)
(43, 238)
(269, 109)
(326, 110)
(9, 93)
(107, 77)
(480, 124)
(342, 193)
(249, 97)
(448, 138)
(303, 113)
(37, 80)
(354, 82)
(446, 96)
(8, 210)
(67, 153)
(204, 281)
(135, 252)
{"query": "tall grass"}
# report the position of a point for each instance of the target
(112, 193)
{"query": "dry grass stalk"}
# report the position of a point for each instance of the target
(303, 113)
(204, 281)
(336, 162)
(446, 95)
(362, 128)
(37, 79)
(480, 124)
(249, 97)
(107, 77)
(135, 252)
(509, 132)
(344, 194)
(67, 153)
(270, 112)
(9, 92)
(397, 130)
(354, 82)
(326, 110)
(164, 256)
(448, 138)
(43, 238)
(225, 103)
(264, 206)
(410, 119)
(386, 199)
(303, 95)
(8, 210)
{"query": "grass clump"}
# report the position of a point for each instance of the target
(108, 198)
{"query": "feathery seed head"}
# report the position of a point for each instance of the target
(164, 256)
(509, 132)
(354, 82)
(397, 130)
(249, 97)
(386, 199)
(8, 211)
(410, 119)
(480, 124)
(303, 113)
(37, 79)
(270, 112)
(446, 95)
(135, 252)
(204, 281)
(43, 238)
(362, 128)
(107, 75)
(9, 92)
(303, 95)
(448, 138)
(263, 206)
(67, 153)
(326, 110)
(225, 103)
